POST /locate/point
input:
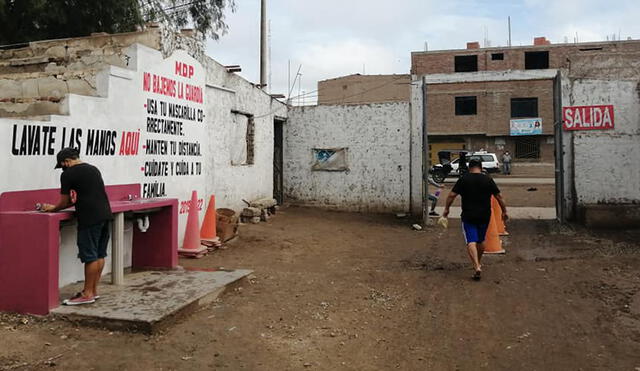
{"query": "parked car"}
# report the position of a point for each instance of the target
(489, 162)
(446, 167)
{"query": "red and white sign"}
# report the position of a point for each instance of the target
(588, 118)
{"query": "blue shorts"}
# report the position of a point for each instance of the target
(92, 242)
(474, 232)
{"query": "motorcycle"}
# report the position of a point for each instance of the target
(441, 171)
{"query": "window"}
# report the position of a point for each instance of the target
(527, 147)
(466, 63)
(242, 140)
(497, 56)
(589, 49)
(536, 60)
(466, 106)
(524, 107)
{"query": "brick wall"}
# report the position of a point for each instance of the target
(443, 61)
(364, 89)
(493, 106)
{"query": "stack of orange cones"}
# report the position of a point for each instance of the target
(492, 243)
(191, 246)
(495, 208)
(208, 235)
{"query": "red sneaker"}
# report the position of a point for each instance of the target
(79, 299)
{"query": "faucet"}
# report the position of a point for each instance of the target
(143, 224)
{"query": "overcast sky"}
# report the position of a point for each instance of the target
(332, 38)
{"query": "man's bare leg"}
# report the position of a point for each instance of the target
(472, 249)
(91, 272)
(100, 268)
(480, 248)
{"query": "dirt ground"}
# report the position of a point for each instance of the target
(517, 195)
(530, 170)
(341, 291)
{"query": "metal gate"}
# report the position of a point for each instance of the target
(527, 147)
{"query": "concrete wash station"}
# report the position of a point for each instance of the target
(30, 240)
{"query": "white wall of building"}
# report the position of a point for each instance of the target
(377, 140)
(122, 107)
(233, 183)
(604, 163)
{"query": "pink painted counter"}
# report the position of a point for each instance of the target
(29, 243)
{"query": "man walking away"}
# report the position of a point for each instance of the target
(93, 213)
(506, 163)
(476, 190)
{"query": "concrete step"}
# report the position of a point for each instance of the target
(150, 300)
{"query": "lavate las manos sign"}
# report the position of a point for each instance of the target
(588, 118)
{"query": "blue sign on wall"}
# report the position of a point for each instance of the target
(526, 126)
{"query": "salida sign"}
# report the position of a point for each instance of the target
(588, 118)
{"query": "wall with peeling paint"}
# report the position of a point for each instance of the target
(605, 163)
(118, 102)
(233, 183)
(377, 139)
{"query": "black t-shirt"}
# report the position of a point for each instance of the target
(92, 204)
(476, 191)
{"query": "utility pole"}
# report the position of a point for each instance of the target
(269, 60)
(425, 156)
(509, 20)
(263, 44)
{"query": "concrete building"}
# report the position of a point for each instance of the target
(597, 182)
(364, 89)
(586, 77)
(482, 97)
(146, 108)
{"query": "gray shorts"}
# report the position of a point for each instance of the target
(93, 241)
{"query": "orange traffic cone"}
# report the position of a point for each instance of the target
(492, 243)
(495, 208)
(208, 230)
(191, 245)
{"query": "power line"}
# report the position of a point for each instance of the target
(333, 102)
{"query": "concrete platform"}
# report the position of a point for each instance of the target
(149, 300)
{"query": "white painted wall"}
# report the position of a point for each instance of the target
(70, 269)
(120, 107)
(233, 183)
(606, 162)
(377, 137)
